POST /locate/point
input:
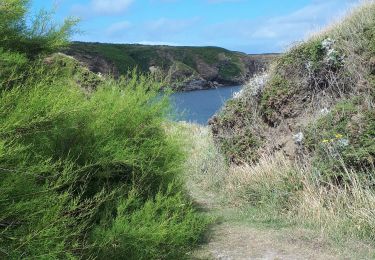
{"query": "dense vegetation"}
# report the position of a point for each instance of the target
(212, 65)
(86, 167)
(128, 56)
(306, 130)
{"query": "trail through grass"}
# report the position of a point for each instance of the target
(244, 231)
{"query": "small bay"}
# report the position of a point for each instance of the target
(200, 105)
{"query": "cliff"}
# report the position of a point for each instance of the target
(190, 68)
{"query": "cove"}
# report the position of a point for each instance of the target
(200, 105)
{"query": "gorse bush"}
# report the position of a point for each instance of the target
(150, 230)
(66, 160)
(85, 162)
(42, 36)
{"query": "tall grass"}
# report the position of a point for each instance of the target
(296, 194)
(303, 136)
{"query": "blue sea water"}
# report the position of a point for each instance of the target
(200, 105)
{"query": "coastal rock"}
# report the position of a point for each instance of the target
(189, 68)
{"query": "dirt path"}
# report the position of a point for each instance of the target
(230, 241)
(237, 240)
(237, 235)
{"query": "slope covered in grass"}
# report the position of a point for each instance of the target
(87, 170)
(203, 65)
(314, 108)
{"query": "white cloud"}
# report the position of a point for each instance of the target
(301, 23)
(110, 6)
(165, 25)
(102, 7)
(158, 43)
(118, 27)
(162, 31)
(223, 1)
(279, 32)
(252, 35)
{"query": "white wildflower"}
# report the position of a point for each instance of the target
(324, 111)
(256, 85)
(298, 138)
(328, 43)
(238, 94)
(343, 142)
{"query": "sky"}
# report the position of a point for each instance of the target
(250, 26)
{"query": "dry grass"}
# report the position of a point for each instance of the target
(205, 168)
(294, 192)
(276, 189)
(302, 192)
(298, 195)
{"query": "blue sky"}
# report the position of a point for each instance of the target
(251, 26)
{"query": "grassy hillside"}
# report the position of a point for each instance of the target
(304, 131)
(87, 169)
(207, 63)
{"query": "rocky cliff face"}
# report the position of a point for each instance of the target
(190, 68)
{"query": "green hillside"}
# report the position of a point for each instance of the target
(305, 131)
(182, 63)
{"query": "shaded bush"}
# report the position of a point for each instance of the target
(67, 159)
(160, 228)
(74, 146)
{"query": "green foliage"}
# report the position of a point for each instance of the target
(311, 51)
(208, 54)
(276, 90)
(160, 228)
(229, 71)
(343, 139)
(74, 147)
(128, 56)
(42, 36)
(12, 66)
(369, 33)
(67, 160)
(241, 147)
(232, 129)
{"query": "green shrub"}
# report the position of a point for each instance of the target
(66, 158)
(161, 228)
(343, 139)
(42, 36)
(229, 71)
(70, 158)
(277, 89)
(12, 67)
(73, 147)
(241, 147)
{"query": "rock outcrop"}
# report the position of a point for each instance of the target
(190, 68)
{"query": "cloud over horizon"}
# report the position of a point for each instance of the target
(102, 7)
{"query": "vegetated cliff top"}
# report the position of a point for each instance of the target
(316, 100)
(206, 66)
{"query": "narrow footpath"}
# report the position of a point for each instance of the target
(235, 236)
